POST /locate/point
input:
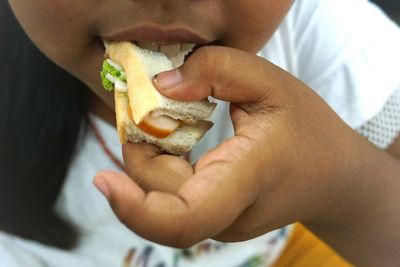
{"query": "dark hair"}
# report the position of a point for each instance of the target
(389, 5)
(392, 7)
(42, 110)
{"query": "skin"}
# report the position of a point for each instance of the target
(69, 32)
(291, 159)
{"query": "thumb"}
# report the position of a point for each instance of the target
(224, 73)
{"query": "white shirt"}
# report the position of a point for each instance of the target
(105, 241)
(346, 50)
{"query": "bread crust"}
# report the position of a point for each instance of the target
(178, 143)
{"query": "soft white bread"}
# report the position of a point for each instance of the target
(179, 142)
(141, 99)
(140, 66)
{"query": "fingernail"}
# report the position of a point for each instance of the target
(168, 80)
(102, 186)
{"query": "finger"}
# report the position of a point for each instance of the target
(153, 170)
(155, 216)
(225, 73)
(205, 205)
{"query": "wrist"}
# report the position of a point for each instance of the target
(351, 182)
(358, 220)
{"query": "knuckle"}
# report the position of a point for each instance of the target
(185, 236)
(207, 52)
(209, 59)
(122, 213)
(134, 172)
(213, 64)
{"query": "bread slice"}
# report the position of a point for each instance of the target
(179, 142)
(141, 98)
(140, 66)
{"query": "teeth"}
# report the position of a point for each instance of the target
(149, 46)
(170, 50)
(187, 47)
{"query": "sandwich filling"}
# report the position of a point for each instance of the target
(114, 77)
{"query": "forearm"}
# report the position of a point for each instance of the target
(363, 224)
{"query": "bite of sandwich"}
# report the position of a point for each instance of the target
(142, 113)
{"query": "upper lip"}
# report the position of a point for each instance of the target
(156, 34)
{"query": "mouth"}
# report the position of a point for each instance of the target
(158, 34)
(171, 40)
(169, 50)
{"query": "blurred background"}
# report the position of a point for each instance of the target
(392, 7)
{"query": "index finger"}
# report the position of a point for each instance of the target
(154, 170)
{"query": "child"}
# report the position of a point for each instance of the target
(288, 161)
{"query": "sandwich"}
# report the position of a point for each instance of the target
(142, 113)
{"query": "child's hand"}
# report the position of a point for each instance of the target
(290, 159)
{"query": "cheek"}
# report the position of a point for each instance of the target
(64, 31)
(252, 23)
(57, 27)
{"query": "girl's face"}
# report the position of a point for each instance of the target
(70, 32)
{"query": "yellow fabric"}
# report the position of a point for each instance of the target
(306, 250)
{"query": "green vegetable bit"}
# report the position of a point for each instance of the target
(107, 68)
